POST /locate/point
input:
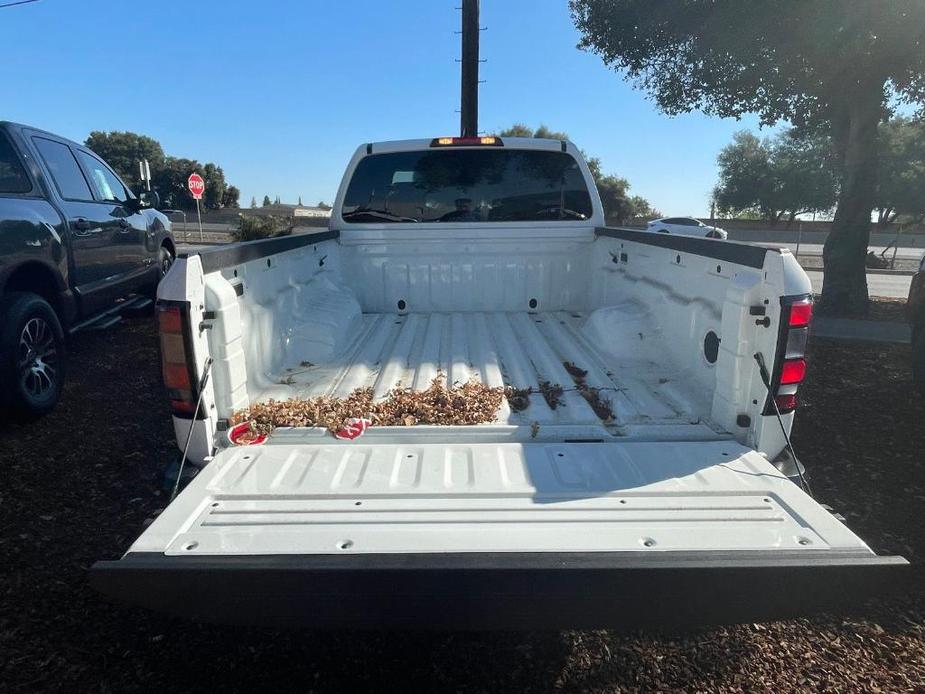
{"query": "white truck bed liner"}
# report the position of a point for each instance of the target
(499, 348)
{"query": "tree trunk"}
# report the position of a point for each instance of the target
(883, 217)
(844, 284)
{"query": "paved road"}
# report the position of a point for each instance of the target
(818, 237)
(816, 249)
(891, 286)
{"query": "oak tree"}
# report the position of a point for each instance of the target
(839, 65)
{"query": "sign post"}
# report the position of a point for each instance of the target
(197, 187)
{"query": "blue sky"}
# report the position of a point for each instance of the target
(281, 93)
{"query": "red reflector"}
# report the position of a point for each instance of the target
(183, 406)
(800, 314)
(176, 376)
(169, 320)
(792, 371)
(786, 403)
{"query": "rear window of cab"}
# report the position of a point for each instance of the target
(467, 185)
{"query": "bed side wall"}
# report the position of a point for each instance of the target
(686, 297)
(275, 310)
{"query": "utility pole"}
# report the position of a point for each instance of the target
(469, 95)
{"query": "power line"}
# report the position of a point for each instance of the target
(19, 2)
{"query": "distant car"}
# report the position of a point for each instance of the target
(686, 226)
(915, 307)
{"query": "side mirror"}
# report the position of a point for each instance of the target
(148, 199)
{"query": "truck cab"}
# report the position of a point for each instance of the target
(637, 473)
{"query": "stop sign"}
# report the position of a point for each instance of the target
(196, 185)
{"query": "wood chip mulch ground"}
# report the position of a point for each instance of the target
(78, 485)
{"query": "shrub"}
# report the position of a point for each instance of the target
(252, 227)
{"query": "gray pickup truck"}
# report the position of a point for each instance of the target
(74, 240)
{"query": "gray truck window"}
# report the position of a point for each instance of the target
(467, 185)
(13, 178)
(63, 167)
(107, 186)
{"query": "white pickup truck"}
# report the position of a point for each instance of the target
(484, 259)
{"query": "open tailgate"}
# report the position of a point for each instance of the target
(489, 535)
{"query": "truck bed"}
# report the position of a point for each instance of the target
(518, 349)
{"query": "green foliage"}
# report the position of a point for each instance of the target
(547, 134)
(215, 186)
(543, 132)
(643, 209)
(518, 130)
(805, 172)
(832, 65)
(721, 56)
(266, 201)
(170, 182)
(745, 176)
(253, 227)
(901, 179)
(231, 198)
(253, 203)
(792, 174)
(323, 205)
(615, 198)
(619, 208)
(123, 150)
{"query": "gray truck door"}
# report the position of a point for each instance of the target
(130, 255)
(90, 227)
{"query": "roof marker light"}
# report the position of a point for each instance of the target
(487, 140)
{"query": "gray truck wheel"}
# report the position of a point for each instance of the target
(32, 354)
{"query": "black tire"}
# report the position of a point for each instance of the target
(164, 261)
(33, 354)
(918, 358)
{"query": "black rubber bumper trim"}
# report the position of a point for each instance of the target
(624, 590)
(729, 251)
(219, 257)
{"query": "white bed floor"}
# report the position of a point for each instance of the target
(518, 349)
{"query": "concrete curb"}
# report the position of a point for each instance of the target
(890, 332)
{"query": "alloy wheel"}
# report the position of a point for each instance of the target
(38, 358)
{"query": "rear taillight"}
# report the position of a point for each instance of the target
(176, 358)
(786, 402)
(790, 369)
(792, 372)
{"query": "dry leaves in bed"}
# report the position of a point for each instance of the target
(470, 403)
